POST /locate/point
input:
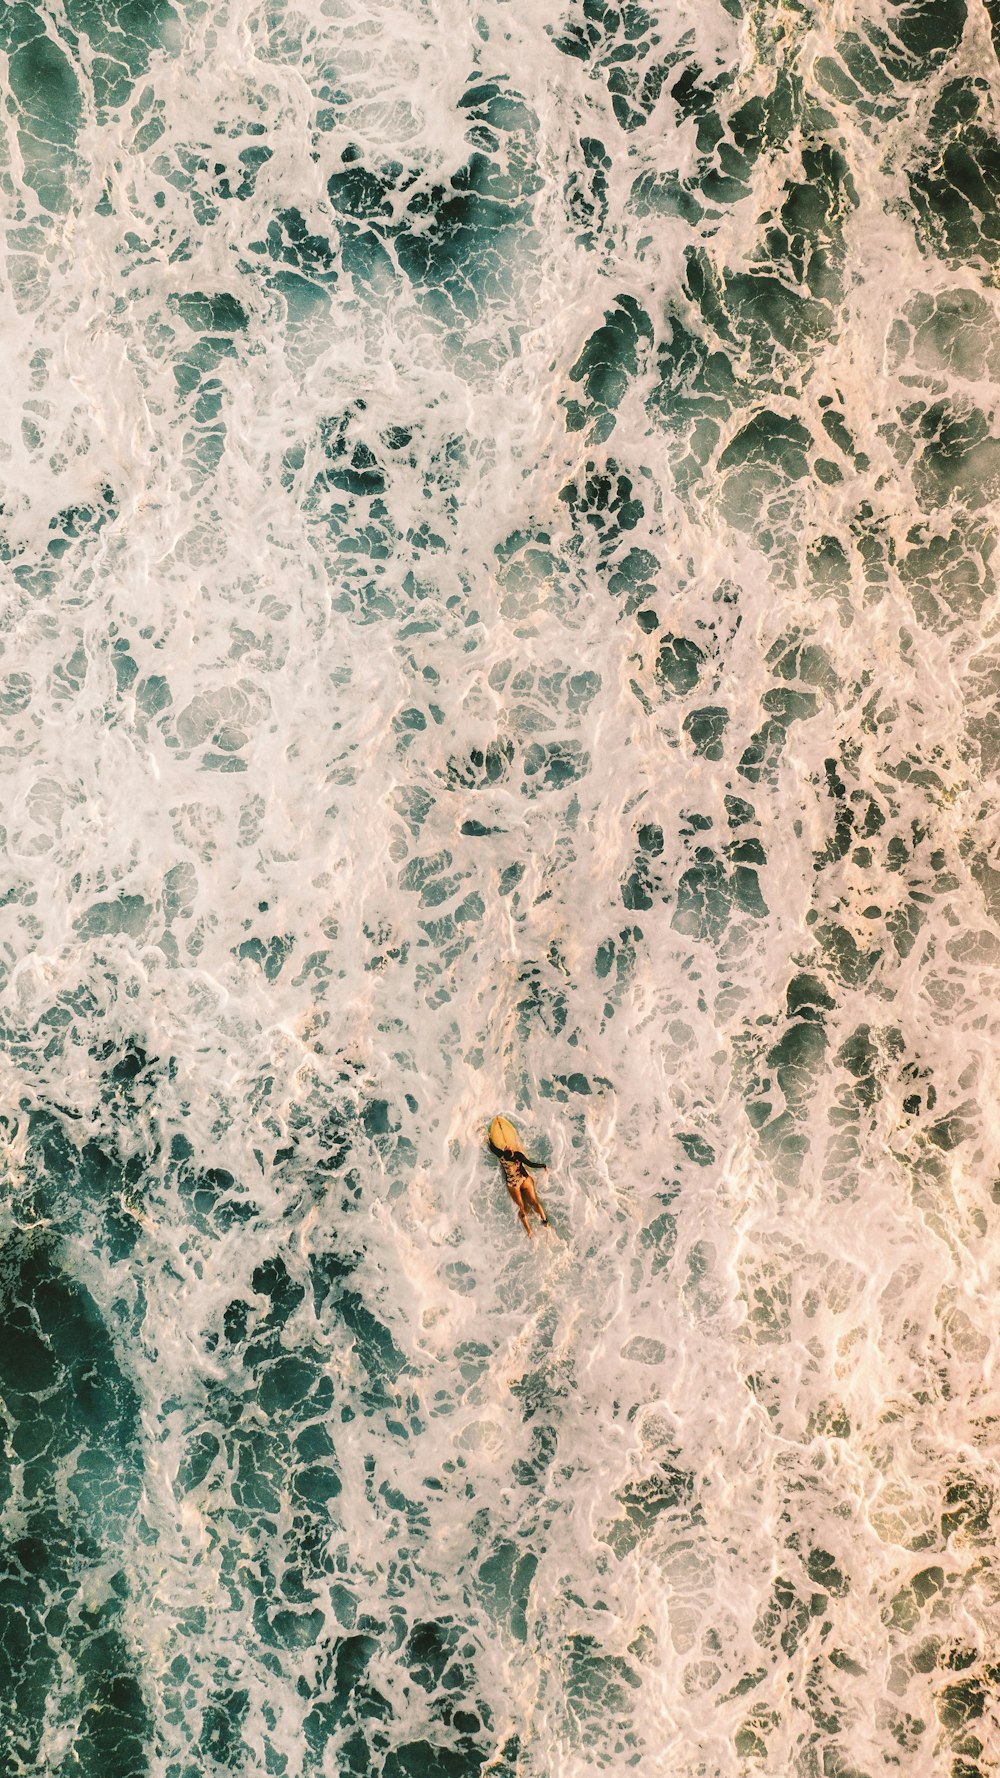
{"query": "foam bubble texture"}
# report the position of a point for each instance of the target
(498, 522)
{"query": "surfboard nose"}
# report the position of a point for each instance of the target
(503, 1134)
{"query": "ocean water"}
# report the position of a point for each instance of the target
(499, 614)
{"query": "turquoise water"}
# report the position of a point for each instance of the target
(498, 534)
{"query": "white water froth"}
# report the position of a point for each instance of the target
(726, 1410)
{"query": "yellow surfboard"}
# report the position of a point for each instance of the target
(503, 1134)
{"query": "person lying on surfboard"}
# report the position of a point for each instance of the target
(504, 1143)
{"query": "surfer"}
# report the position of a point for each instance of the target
(520, 1184)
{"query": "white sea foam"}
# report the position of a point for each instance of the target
(327, 801)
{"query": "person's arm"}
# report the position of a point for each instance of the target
(514, 1154)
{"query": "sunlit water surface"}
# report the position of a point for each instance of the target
(499, 537)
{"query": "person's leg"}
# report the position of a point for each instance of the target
(516, 1194)
(534, 1200)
